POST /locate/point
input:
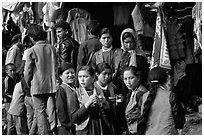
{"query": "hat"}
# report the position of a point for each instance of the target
(64, 66)
(16, 38)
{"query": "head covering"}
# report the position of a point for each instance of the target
(64, 66)
(123, 32)
(132, 52)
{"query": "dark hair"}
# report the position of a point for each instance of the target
(16, 38)
(64, 67)
(157, 76)
(9, 64)
(104, 31)
(37, 32)
(89, 69)
(64, 25)
(127, 35)
(101, 67)
(134, 70)
(94, 27)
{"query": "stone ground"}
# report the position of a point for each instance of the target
(193, 125)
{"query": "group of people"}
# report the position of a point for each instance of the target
(88, 89)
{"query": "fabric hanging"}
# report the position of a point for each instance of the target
(121, 14)
(160, 53)
(78, 19)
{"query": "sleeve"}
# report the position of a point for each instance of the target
(29, 65)
(77, 114)
(144, 98)
(177, 111)
(61, 107)
(11, 56)
(66, 51)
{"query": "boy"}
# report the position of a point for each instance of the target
(9, 82)
(17, 112)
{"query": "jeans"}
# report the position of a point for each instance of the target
(40, 102)
(17, 125)
(31, 116)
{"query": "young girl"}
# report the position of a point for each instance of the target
(161, 112)
(84, 105)
(67, 75)
(106, 91)
(131, 77)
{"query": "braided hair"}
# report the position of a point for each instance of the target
(157, 77)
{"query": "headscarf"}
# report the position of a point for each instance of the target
(133, 51)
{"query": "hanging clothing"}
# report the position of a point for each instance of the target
(78, 19)
(121, 14)
(141, 26)
(160, 53)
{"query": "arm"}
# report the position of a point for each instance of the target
(77, 114)
(66, 50)
(10, 58)
(177, 111)
(61, 107)
(29, 66)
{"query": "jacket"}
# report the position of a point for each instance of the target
(40, 68)
(86, 49)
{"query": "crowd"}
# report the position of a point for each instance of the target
(92, 88)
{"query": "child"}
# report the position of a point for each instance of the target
(132, 79)
(107, 91)
(9, 82)
(161, 112)
(17, 112)
(67, 75)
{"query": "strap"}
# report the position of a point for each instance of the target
(90, 58)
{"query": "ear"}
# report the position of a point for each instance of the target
(66, 31)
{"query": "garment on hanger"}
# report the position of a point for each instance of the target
(78, 19)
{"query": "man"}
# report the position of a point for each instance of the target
(67, 47)
(39, 73)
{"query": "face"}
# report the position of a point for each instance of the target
(104, 77)
(106, 40)
(61, 34)
(85, 79)
(128, 43)
(130, 80)
(68, 76)
(11, 71)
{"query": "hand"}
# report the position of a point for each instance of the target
(91, 101)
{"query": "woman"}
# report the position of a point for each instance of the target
(129, 55)
(131, 77)
(85, 106)
(106, 53)
(161, 112)
(67, 75)
(104, 86)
